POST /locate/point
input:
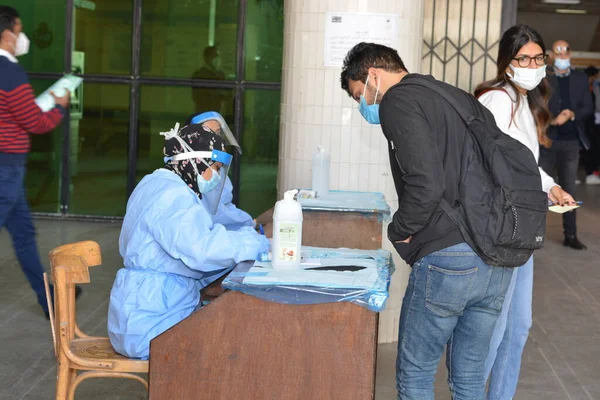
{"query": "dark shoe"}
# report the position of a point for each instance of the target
(574, 243)
(78, 292)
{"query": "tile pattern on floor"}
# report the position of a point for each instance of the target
(561, 360)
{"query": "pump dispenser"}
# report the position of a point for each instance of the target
(287, 232)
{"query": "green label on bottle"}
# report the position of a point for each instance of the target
(288, 241)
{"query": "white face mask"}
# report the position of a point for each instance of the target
(562, 63)
(21, 45)
(527, 78)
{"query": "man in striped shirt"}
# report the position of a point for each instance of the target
(19, 117)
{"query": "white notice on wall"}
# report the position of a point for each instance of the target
(344, 30)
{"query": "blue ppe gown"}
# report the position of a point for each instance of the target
(171, 250)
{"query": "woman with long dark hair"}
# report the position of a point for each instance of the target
(518, 98)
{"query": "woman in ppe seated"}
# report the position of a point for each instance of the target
(227, 213)
(169, 243)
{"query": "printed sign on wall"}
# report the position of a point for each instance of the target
(344, 30)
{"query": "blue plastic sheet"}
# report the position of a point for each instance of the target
(372, 296)
(365, 202)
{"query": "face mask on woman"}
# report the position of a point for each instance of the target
(527, 78)
(206, 186)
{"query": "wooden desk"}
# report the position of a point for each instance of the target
(240, 347)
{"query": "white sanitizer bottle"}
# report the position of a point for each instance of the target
(287, 232)
(320, 172)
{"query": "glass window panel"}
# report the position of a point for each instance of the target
(44, 24)
(176, 34)
(163, 106)
(264, 40)
(44, 164)
(260, 143)
(98, 151)
(102, 36)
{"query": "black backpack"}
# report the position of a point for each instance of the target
(501, 209)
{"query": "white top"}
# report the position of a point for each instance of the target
(8, 55)
(522, 127)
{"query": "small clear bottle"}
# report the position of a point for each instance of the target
(320, 171)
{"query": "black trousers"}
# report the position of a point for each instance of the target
(591, 158)
(564, 155)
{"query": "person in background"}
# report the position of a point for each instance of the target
(592, 156)
(212, 65)
(570, 106)
(171, 246)
(207, 99)
(20, 116)
(518, 99)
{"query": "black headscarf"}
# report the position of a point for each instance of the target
(199, 138)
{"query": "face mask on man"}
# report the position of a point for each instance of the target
(527, 78)
(562, 63)
(21, 44)
(369, 112)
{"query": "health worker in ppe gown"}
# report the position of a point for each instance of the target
(170, 243)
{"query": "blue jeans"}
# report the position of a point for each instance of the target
(453, 298)
(510, 335)
(16, 218)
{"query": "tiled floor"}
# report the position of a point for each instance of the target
(561, 360)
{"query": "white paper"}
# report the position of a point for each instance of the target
(264, 274)
(344, 30)
(68, 82)
(562, 209)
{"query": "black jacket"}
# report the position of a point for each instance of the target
(581, 103)
(426, 137)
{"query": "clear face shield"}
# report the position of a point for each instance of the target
(215, 122)
(211, 182)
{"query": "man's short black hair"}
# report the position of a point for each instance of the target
(210, 53)
(591, 71)
(369, 55)
(8, 18)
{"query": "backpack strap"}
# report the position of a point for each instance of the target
(450, 211)
(465, 115)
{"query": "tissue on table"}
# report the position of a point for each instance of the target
(263, 273)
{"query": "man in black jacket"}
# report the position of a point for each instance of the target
(570, 105)
(452, 297)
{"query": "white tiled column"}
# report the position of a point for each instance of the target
(316, 111)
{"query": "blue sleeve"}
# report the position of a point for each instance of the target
(184, 229)
(232, 218)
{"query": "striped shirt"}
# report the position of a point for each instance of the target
(20, 116)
